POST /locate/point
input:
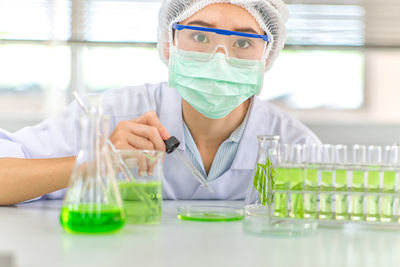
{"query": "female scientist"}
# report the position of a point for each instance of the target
(217, 52)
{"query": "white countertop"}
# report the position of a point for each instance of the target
(32, 233)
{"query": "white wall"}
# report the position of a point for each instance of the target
(378, 121)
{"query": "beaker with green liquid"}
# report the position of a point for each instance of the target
(142, 192)
(92, 203)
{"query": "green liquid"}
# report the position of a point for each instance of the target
(389, 179)
(91, 218)
(357, 202)
(137, 212)
(373, 201)
(310, 200)
(211, 217)
(341, 204)
(325, 200)
(293, 179)
(281, 199)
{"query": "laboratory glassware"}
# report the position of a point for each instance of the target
(340, 185)
(146, 168)
(92, 203)
(275, 190)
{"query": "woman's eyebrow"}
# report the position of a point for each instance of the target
(209, 25)
(247, 30)
(201, 23)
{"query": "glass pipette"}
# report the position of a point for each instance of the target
(194, 170)
(171, 144)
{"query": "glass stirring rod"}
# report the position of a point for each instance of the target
(125, 170)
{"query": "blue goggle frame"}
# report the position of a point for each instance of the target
(179, 27)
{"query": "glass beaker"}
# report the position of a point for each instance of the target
(142, 194)
(92, 203)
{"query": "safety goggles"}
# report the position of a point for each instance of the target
(210, 40)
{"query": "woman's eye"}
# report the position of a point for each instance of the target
(199, 37)
(242, 43)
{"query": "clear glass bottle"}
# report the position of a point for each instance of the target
(93, 203)
(259, 198)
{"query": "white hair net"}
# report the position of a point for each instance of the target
(270, 14)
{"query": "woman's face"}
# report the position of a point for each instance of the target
(223, 16)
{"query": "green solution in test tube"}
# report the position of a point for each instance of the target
(341, 204)
(281, 199)
(310, 199)
(357, 201)
(325, 200)
(296, 176)
(389, 180)
(373, 187)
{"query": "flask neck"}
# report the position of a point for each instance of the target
(94, 133)
(267, 147)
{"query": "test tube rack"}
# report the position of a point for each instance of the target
(336, 194)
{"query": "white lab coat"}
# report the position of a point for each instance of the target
(59, 136)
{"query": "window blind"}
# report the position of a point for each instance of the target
(312, 22)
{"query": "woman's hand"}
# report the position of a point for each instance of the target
(144, 132)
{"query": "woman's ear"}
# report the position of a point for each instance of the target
(166, 50)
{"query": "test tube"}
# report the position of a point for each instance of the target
(341, 203)
(390, 159)
(327, 182)
(296, 180)
(281, 181)
(313, 157)
(373, 181)
(358, 161)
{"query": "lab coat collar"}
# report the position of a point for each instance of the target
(170, 113)
(256, 125)
(171, 117)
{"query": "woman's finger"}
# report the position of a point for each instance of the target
(149, 132)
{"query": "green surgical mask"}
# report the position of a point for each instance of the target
(214, 87)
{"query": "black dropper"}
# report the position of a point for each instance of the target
(171, 144)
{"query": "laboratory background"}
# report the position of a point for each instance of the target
(339, 74)
(339, 71)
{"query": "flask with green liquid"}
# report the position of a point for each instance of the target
(93, 203)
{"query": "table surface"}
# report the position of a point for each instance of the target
(32, 233)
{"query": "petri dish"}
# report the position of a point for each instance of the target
(258, 222)
(208, 213)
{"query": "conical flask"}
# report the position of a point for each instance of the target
(93, 203)
(259, 197)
